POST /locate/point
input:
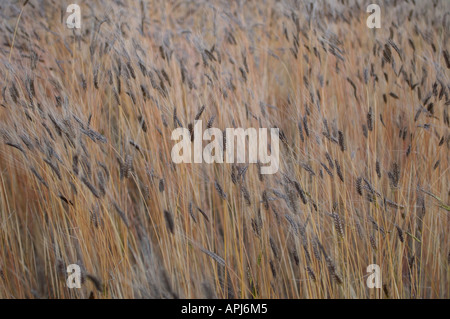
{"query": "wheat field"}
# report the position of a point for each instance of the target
(87, 178)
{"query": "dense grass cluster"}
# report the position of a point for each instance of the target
(86, 175)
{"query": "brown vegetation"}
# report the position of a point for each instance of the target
(86, 174)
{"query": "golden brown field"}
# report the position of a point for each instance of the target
(86, 175)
